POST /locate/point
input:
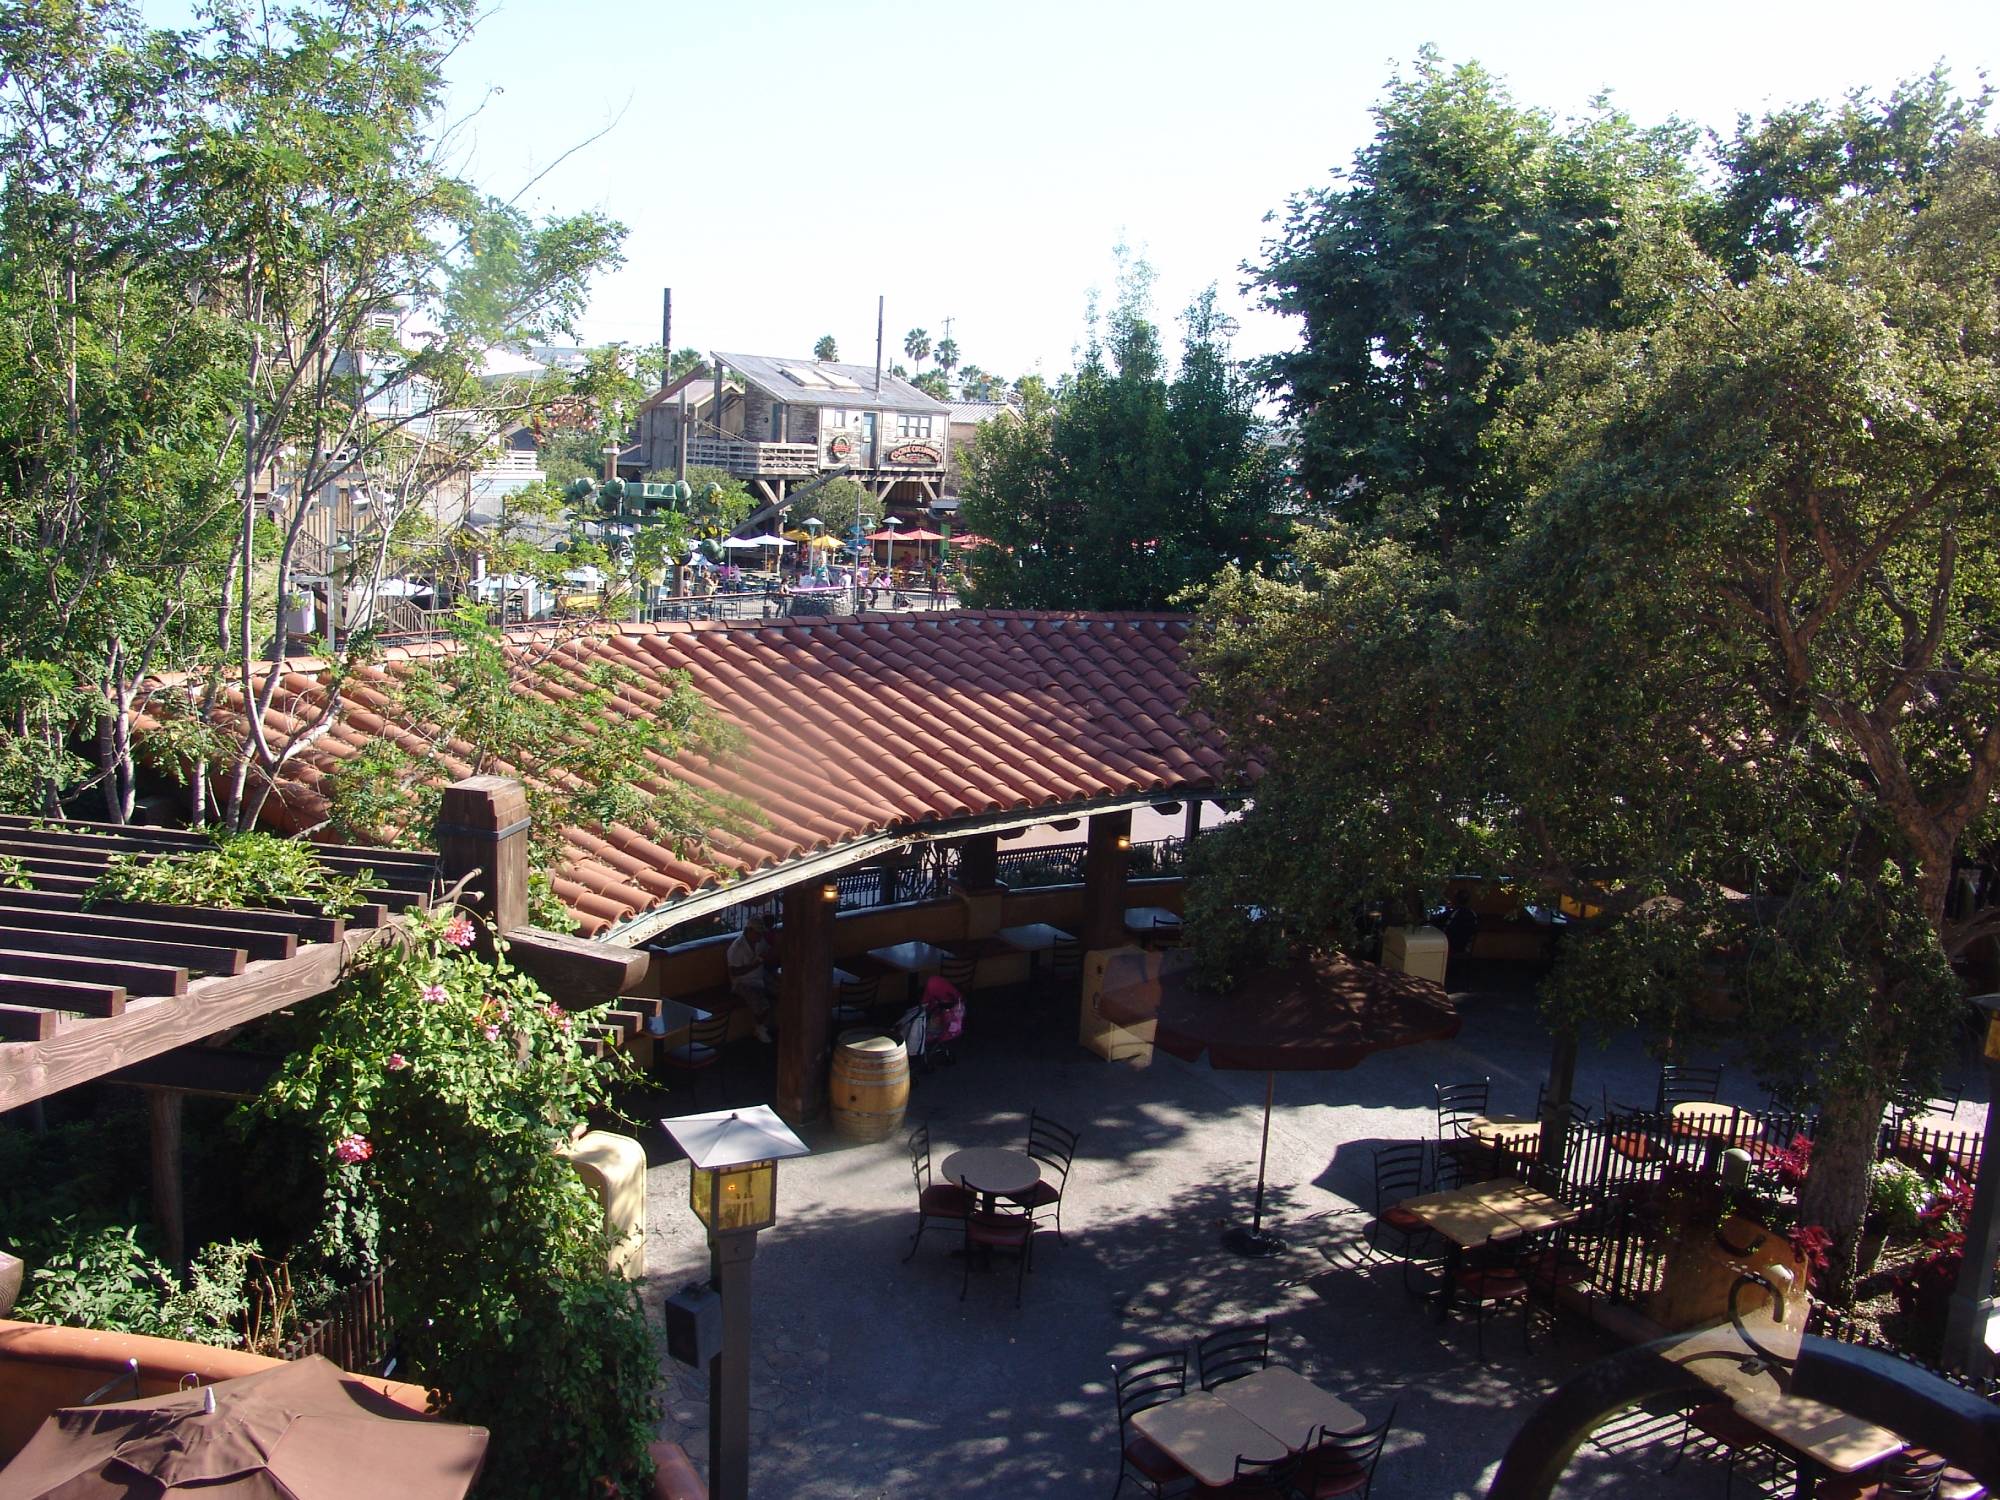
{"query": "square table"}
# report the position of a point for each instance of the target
(996, 961)
(903, 964)
(1284, 1403)
(1471, 1216)
(1150, 919)
(1206, 1435)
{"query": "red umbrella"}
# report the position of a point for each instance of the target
(1313, 1013)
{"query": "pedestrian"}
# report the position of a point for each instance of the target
(751, 959)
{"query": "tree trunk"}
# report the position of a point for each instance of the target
(1835, 1193)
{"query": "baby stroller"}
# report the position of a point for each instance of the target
(930, 1029)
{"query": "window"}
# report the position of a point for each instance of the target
(909, 425)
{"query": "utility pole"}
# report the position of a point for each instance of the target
(881, 302)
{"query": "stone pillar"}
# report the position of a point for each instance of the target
(483, 826)
(805, 1000)
(979, 862)
(1105, 858)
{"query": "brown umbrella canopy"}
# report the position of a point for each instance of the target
(1313, 1013)
(293, 1432)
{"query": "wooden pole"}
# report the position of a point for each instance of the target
(1105, 857)
(979, 862)
(163, 1112)
(483, 827)
(805, 1001)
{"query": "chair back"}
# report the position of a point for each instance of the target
(1577, 1110)
(1680, 1084)
(860, 993)
(920, 1157)
(1066, 959)
(1273, 1477)
(1051, 1143)
(1148, 1380)
(1910, 1476)
(1399, 1173)
(958, 972)
(1231, 1353)
(1359, 1450)
(713, 1032)
(1459, 1102)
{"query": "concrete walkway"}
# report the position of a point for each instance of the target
(873, 1378)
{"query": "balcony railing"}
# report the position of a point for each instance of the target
(739, 456)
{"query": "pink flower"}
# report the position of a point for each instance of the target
(435, 993)
(397, 1062)
(558, 1015)
(458, 932)
(352, 1148)
(493, 1033)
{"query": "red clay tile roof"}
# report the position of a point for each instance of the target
(854, 728)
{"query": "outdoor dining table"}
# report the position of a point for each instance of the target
(1509, 1137)
(1149, 919)
(1471, 1216)
(1035, 939)
(997, 961)
(1829, 1440)
(1261, 1417)
(911, 960)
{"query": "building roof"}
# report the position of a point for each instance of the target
(811, 382)
(856, 729)
(980, 411)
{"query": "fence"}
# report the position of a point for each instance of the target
(355, 1333)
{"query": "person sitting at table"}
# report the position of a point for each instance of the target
(750, 958)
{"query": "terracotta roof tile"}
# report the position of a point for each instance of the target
(851, 728)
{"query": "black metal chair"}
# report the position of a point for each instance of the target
(935, 1200)
(1735, 1437)
(1053, 1146)
(1400, 1172)
(1341, 1464)
(1231, 1353)
(1490, 1278)
(1681, 1084)
(853, 1001)
(987, 1232)
(1270, 1479)
(700, 1054)
(1458, 1104)
(959, 972)
(1139, 1384)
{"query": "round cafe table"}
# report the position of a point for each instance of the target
(991, 1172)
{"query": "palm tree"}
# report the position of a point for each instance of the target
(947, 355)
(917, 344)
(825, 350)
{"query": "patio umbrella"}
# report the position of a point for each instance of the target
(296, 1431)
(1311, 1014)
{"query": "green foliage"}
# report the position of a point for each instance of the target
(443, 1089)
(14, 875)
(826, 349)
(1128, 485)
(588, 752)
(1898, 1195)
(99, 1277)
(935, 384)
(243, 869)
(1468, 219)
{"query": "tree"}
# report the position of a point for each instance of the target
(934, 384)
(1129, 484)
(1467, 220)
(826, 351)
(685, 362)
(947, 357)
(917, 345)
(1730, 674)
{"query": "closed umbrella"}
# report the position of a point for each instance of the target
(1314, 1013)
(297, 1431)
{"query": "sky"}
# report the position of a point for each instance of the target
(780, 163)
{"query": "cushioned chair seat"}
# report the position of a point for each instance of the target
(1335, 1476)
(1554, 1268)
(1406, 1220)
(1149, 1458)
(945, 1200)
(1041, 1195)
(1633, 1147)
(693, 1055)
(1492, 1284)
(999, 1233)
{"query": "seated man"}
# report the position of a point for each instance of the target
(750, 959)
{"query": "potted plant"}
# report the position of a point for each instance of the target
(1897, 1197)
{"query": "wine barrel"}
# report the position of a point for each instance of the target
(870, 1086)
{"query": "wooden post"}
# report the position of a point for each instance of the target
(483, 826)
(979, 862)
(1193, 824)
(805, 1000)
(1105, 858)
(163, 1111)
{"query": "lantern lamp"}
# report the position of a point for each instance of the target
(733, 1157)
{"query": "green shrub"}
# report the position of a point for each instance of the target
(243, 869)
(101, 1278)
(443, 1089)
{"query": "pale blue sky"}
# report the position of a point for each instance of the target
(780, 162)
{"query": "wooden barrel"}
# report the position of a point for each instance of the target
(870, 1087)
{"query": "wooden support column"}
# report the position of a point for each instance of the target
(1193, 824)
(1555, 1113)
(483, 826)
(1105, 858)
(979, 862)
(163, 1111)
(805, 1001)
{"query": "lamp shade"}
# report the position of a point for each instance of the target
(733, 1160)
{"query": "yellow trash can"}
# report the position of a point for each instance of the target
(614, 1168)
(1421, 951)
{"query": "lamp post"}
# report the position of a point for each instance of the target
(892, 522)
(812, 525)
(1969, 1327)
(733, 1158)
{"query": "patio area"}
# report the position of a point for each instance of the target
(872, 1378)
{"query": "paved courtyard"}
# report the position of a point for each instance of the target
(873, 1379)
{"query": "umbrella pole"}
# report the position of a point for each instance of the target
(1254, 1241)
